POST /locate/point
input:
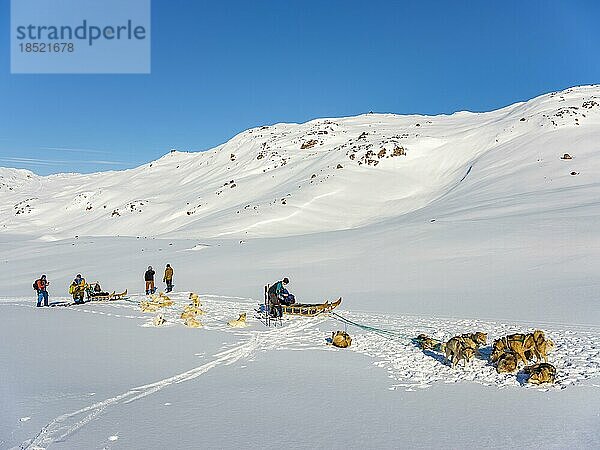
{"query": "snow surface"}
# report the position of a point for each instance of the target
(220, 387)
(467, 222)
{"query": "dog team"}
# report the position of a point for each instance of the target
(190, 312)
(506, 353)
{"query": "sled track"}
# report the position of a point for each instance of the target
(61, 427)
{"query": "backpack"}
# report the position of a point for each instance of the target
(35, 284)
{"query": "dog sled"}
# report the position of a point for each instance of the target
(310, 309)
(272, 315)
(105, 296)
(119, 296)
(264, 312)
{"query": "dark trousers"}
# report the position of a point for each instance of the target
(275, 306)
(169, 285)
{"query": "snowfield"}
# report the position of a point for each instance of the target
(423, 224)
(83, 401)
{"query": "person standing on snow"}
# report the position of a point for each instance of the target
(168, 278)
(41, 289)
(276, 292)
(149, 278)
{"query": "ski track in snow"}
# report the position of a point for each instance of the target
(576, 356)
(60, 428)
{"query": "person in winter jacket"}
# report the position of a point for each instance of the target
(168, 278)
(149, 278)
(77, 289)
(277, 296)
(42, 291)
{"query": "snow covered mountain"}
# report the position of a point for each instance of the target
(335, 174)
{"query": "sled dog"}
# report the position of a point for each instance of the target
(541, 373)
(160, 300)
(191, 311)
(158, 320)
(341, 339)
(507, 363)
(148, 306)
(457, 350)
(525, 346)
(427, 343)
(192, 322)
(240, 322)
(543, 346)
(195, 300)
(474, 340)
(519, 344)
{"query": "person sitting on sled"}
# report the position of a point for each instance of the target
(98, 290)
(77, 289)
(279, 295)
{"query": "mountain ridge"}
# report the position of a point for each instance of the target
(328, 174)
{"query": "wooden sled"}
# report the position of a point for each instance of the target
(99, 297)
(309, 309)
(108, 297)
(121, 296)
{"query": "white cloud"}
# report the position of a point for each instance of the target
(74, 150)
(57, 162)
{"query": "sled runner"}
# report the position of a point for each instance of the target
(310, 309)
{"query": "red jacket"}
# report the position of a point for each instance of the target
(41, 284)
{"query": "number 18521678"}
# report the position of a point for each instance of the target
(42, 47)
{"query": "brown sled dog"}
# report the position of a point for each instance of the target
(427, 343)
(516, 343)
(507, 363)
(543, 346)
(541, 373)
(525, 346)
(474, 340)
(456, 350)
(341, 339)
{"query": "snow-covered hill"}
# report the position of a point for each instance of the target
(334, 174)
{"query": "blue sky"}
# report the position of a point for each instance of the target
(219, 68)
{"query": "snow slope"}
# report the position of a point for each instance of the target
(333, 174)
